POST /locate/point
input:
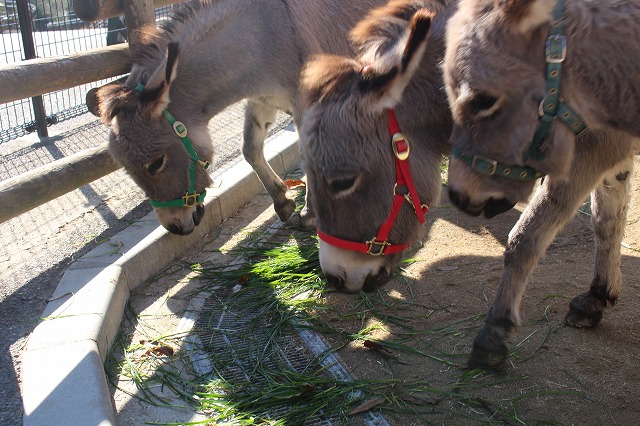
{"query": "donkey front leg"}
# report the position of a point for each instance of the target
(258, 117)
(609, 205)
(552, 206)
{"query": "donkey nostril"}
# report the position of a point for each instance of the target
(175, 229)
(198, 214)
(335, 282)
(372, 282)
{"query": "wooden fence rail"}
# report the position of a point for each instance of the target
(33, 77)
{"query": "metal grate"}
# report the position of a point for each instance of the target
(236, 342)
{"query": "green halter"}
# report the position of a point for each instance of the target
(191, 197)
(551, 108)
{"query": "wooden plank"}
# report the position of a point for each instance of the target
(32, 189)
(26, 79)
(96, 10)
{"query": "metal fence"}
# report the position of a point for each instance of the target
(42, 29)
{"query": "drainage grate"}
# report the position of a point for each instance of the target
(240, 344)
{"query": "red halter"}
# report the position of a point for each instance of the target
(379, 245)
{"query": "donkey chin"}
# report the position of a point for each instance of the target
(351, 272)
(180, 220)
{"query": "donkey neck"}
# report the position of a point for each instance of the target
(600, 78)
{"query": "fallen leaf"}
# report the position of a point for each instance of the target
(374, 345)
(447, 268)
(163, 350)
(366, 406)
(292, 183)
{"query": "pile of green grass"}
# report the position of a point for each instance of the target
(282, 287)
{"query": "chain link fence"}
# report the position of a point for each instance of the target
(42, 29)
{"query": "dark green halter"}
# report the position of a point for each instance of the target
(191, 197)
(551, 108)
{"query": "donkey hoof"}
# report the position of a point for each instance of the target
(489, 350)
(585, 311)
(307, 219)
(285, 209)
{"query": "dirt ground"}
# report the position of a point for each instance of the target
(555, 374)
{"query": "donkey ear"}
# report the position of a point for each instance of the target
(155, 95)
(388, 76)
(109, 100)
(526, 15)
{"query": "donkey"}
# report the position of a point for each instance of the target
(209, 55)
(532, 93)
(352, 168)
(348, 161)
(525, 78)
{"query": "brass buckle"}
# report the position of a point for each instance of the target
(551, 54)
(373, 243)
(492, 165)
(400, 155)
(190, 200)
(180, 129)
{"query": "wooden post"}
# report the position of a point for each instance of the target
(69, 71)
(137, 15)
(29, 190)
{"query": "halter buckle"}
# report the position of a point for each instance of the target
(190, 200)
(180, 129)
(378, 245)
(400, 146)
(484, 165)
(556, 49)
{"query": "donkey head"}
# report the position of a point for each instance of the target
(162, 155)
(348, 157)
(494, 71)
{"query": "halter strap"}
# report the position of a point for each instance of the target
(379, 245)
(552, 107)
(191, 197)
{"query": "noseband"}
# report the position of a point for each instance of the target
(191, 197)
(379, 245)
(551, 108)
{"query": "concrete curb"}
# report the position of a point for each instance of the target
(63, 378)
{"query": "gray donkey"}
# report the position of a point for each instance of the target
(209, 55)
(524, 77)
(544, 87)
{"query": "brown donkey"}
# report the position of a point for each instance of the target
(209, 55)
(544, 87)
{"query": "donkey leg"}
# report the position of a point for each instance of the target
(552, 206)
(609, 205)
(258, 117)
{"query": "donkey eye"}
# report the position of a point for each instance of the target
(338, 186)
(156, 166)
(483, 105)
